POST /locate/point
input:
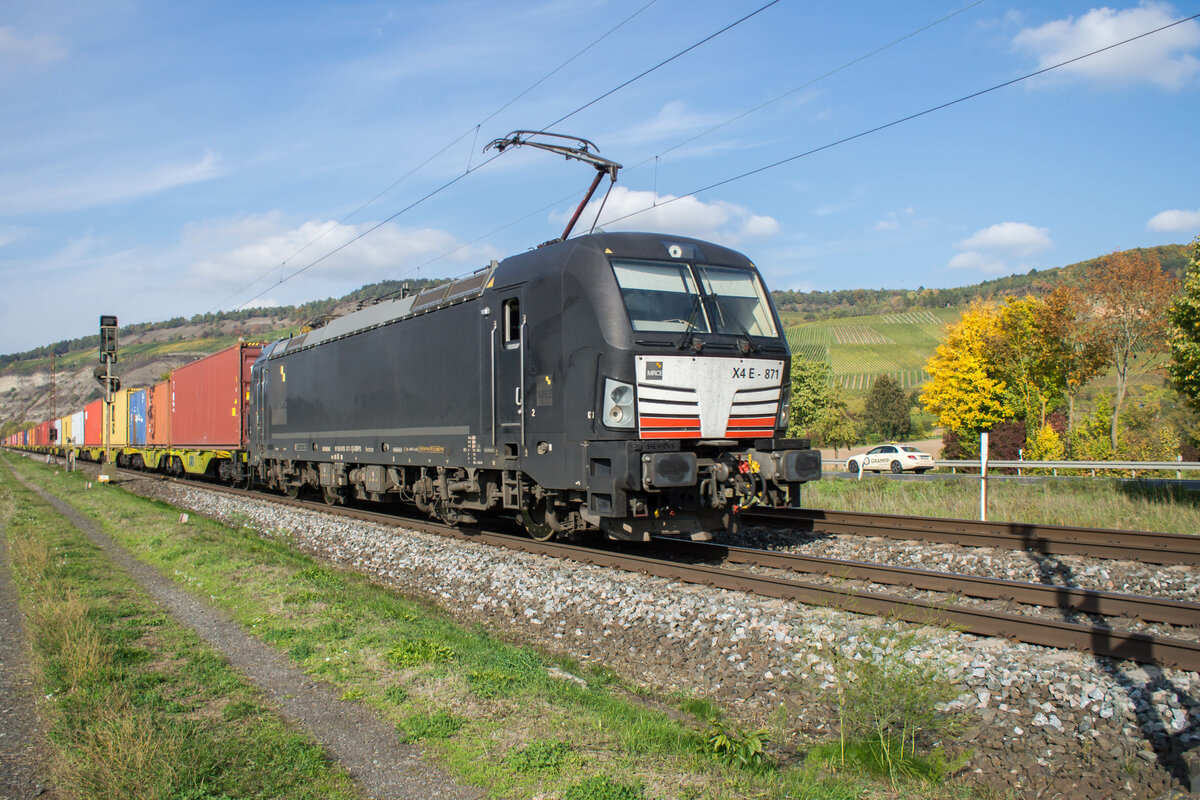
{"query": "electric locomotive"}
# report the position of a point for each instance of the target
(631, 383)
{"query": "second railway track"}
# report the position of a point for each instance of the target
(1143, 546)
(1098, 639)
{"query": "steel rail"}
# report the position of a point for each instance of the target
(1099, 640)
(1142, 546)
(1066, 598)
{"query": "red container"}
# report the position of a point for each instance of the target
(42, 434)
(208, 399)
(93, 427)
(158, 415)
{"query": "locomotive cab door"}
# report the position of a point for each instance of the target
(509, 387)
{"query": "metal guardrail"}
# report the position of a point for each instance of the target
(1134, 467)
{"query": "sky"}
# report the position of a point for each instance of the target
(172, 159)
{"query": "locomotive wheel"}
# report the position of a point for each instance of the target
(292, 491)
(332, 496)
(539, 531)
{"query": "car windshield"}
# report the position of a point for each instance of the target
(664, 297)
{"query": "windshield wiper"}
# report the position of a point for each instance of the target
(689, 327)
(750, 345)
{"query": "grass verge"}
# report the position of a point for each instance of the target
(1086, 503)
(136, 706)
(488, 710)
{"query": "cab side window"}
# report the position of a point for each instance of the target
(512, 323)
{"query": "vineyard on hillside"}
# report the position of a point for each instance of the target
(860, 349)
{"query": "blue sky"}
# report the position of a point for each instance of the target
(165, 159)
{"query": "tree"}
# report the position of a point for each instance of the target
(1130, 295)
(1025, 358)
(818, 408)
(887, 414)
(1185, 333)
(810, 393)
(1069, 329)
(966, 392)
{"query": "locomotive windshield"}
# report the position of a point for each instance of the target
(664, 297)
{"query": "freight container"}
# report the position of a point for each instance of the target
(42, 434)
(93, 427)
(137, 417)
(77, 426)
(208, 399)
(158, 414)
(118, 423)
(64, 431)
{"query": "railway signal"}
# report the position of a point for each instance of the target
(110, 382)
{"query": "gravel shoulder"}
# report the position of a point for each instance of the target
(368, 748)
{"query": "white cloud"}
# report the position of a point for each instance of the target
(992, 249)
(716, 220)
(1163, 58)
(1175, 220)
(253, 253)
(673, 120)
(1012, 238)
(35, 49)
(892, 220)
(51, 190)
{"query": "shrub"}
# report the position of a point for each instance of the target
(736, 747)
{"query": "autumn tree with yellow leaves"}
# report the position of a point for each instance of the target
(966, 391)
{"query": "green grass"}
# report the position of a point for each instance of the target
(1085, 503)
(478, 705)
(136, 706)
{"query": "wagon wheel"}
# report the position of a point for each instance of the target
(540, 531)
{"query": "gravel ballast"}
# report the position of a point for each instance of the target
(1035, 719)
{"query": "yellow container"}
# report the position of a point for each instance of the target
(64, 431)
(118, 423)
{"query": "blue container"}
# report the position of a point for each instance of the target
(137, 418)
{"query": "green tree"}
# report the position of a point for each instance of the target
(810, 393)
(1185, 333)
(818, 408)
(888, 413)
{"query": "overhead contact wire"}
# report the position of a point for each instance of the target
(424, 163)
(815, 80)
(908, 118)
(661, 64)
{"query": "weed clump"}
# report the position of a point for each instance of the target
(540, 756)
(887, 707)
(602, 787)
(412, 652)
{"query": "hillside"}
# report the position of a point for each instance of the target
(862, 333)
(808, 306)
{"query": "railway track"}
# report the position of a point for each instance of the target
(1150, 548)
(1098, 639)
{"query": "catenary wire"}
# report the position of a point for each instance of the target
(902, 120)
(469, 170)
(815, 80)
(474, 129)
(660, 64)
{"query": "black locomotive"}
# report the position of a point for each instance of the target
(632, 383)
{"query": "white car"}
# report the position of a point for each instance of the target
(895, 457)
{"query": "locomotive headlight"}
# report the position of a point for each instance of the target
(785, 405)
(618, 404)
